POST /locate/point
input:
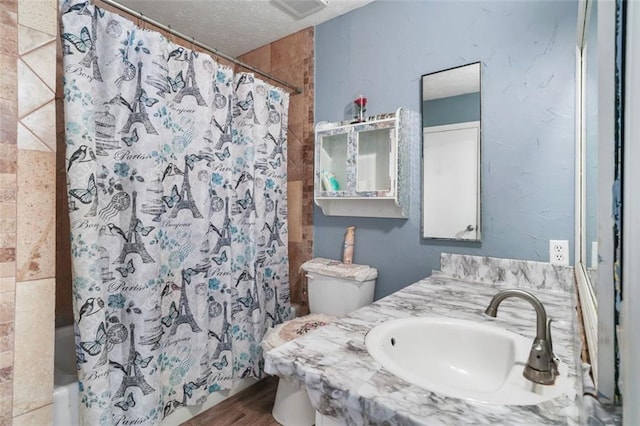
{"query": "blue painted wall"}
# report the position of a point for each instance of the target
(527, 50)
(454, 109)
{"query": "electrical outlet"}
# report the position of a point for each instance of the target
(559, 252)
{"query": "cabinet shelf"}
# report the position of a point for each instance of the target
(368, 164)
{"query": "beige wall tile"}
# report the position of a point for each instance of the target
(8, 119)
(259, 58)
(7, 210)
(7, 239)
(36, 215)
(8, 76)
(298, 111)
(27, 140)
(33, 346)
(40, 417)
(7, 195)
(290, 49)
(6, 338)
(5, 406)
(7, 284)
(11, 5)
(7, 306)
(289, 72)
(294, 207)
(295, 276)
(29, 39)
(7, 225)
(32, 92)
(7, 180)
(6, 358)
(43, 62)
(7, 254)
(295, 164)
(9, 31)
(42, 123)
(40, 15)
(7, 269)
(6, 374)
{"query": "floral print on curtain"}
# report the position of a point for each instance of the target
(177, 202)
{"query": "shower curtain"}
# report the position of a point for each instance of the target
(177, 203)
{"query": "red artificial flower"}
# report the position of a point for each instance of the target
(361, 101)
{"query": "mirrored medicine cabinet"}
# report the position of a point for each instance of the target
(362, 168)
(451, 140)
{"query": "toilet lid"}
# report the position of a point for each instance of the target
(294, 328)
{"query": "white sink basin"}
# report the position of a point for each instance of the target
(461, 359)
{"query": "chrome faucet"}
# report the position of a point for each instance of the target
(542, 366)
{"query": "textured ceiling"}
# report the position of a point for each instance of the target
(235, 27)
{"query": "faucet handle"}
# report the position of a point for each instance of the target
(553, 361)
(549, 336)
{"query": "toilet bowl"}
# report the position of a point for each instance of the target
(334, 289)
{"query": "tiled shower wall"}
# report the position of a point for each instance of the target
(27, 209)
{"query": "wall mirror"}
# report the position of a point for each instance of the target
(594, 181)
(451, 153)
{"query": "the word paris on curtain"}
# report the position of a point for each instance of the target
(177, 202)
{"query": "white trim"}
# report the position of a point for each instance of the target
(580, 158)
(589, 315)
(582, 180)
(597, 311)
(630, 342)
(605, 359)
(585, 290)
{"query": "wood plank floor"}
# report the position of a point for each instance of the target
(251, 407)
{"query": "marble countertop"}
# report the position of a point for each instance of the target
(344, 381)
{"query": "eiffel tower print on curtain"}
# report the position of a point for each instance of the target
(224, 338)
(132, 240)
(133, 376)
(186, 198)
(224, 232)
(190, 84)
(184, 312)
(251, 302)
(225, 130)
(274, 229)
(85, 39)
(138, 109)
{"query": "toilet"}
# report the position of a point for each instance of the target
(334, 289)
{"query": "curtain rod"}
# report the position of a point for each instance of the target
(193, 41)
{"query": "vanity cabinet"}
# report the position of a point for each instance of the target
(362, 169)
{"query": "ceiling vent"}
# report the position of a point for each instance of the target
(301, 8)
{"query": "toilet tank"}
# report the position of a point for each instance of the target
(335, 288)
